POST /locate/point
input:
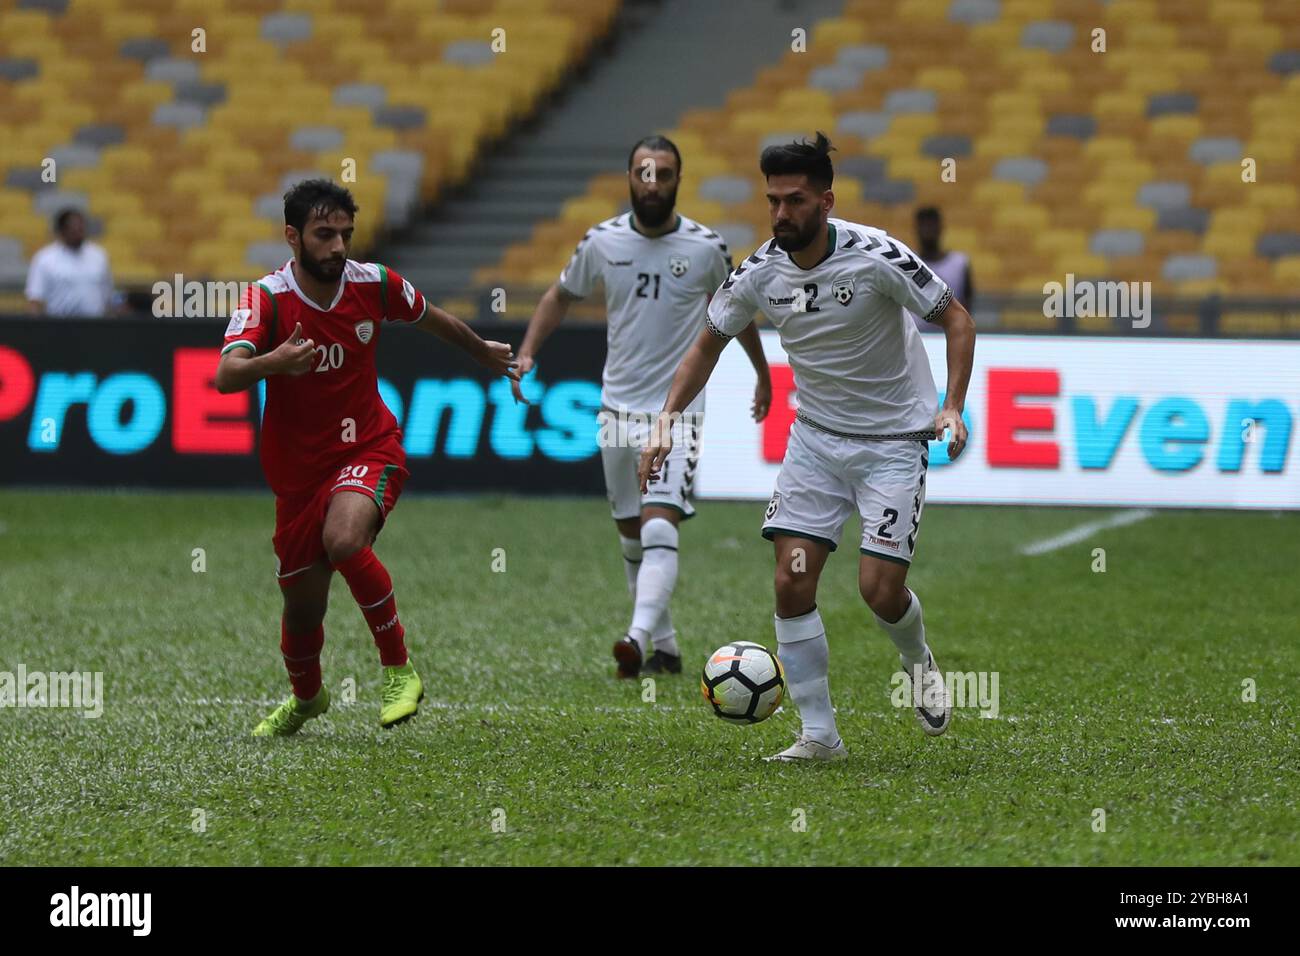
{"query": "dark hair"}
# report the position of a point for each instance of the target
(658, 144)
(928, 213)
(319, 197)
(63, 215)
(809, 159)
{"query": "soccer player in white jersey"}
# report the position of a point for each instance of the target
(658, 269)
(836, 292)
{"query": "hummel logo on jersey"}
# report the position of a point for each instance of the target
(365, 330)
(678, 265)
(842, 289)
(619, 262)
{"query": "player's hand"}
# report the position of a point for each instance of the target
(762, 399)
(295, 355)
(656, 450)
(525, 365)
(949, 419)
(500, 359)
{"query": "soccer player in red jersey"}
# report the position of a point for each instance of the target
(331, 450)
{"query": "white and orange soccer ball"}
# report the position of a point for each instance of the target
(743, 682)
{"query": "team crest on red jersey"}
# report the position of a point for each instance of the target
(365, 330)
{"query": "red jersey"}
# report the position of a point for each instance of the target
(315, 422)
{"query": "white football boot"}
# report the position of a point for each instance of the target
(805, 748)
(934, 712)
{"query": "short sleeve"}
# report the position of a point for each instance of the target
(250, 324)
(731, 309)
(404, 302)
(907, 280)
(580, 275)
(37, 280)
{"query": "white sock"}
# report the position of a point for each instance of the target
(908, 633)
(658, 577)
(631, 561)
(663, 636)
(801, 645)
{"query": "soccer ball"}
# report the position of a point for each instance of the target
(744, 682)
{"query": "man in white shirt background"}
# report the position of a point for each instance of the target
(70, 277)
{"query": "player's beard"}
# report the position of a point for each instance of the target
(654, 213)
(791, 238)
(322, 270)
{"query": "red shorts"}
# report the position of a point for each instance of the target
(379, 472)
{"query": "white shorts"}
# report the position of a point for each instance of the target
(621, 457)
(825, 477)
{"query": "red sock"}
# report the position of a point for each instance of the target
(302, 660)
(373, 590)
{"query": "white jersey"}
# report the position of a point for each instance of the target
(656, 292)
(859, 365)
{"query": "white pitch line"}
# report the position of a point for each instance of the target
(1085, 531)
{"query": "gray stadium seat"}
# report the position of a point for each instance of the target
(293, 176)
(100, 134)
(1078, 125)
(1272, 245)
(14, 69)
(204, 95)
(75, 156)
(399, 117)
(1180, 268)
(944, 145)
(835, 78)
(866, 168)
(1164, 104)
(50, 201)
(910, 101)
(269, 255)
(889, 191)
(1116, 242)
(144, 49)
(468, 52)
(360, 94)
(28, 178)
(863, 123)
(1171, 195)
(1029, 170)
(313, 139)
(180, 115)
(57, 7)
(725, 188)
(171, 69)
(1285, 61)
(1215, 149)
(1053, 35)
(780, 139)
(1188, 219)
(269, 206)
(972, 12)
(286, 27)
(863, 56)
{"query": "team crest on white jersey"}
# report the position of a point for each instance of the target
(678, 265)
(842, 289)
(365, 330)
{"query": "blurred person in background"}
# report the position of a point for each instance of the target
(952, 267)
(70, 276)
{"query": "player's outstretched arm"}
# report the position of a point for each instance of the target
(496, 356)
(753, 345)
(550, 312)
(692, 374)
(240, 369)
(959, 330)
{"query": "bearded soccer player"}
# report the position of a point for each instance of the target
(658, 269)
(836, 293)
(331, 450)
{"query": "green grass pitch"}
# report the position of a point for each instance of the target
(1119, 690)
